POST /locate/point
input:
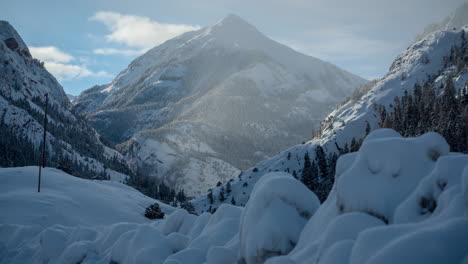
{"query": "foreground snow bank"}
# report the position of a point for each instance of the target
(274, 217)
(390, 168)
(397, 200)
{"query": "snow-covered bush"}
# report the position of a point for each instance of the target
(154, 212)
(273, 219)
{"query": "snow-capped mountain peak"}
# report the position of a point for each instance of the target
(179, 108)
(233, 30)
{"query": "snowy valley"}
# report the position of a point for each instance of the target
(193, 155)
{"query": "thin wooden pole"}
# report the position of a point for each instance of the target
(43, 143)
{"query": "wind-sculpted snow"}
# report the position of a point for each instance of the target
(81, 221)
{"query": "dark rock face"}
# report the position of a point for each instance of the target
(11, 43)
(25, 53)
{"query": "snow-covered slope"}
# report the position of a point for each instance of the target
(423, 61)
(72, 144)
(202, 105)
(394, 201)
(66, 200)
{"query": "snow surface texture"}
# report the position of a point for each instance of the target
(203, 105)
(348, 121)
(82, 221)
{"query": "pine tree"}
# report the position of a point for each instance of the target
(321, 161)
(181, 196)
(354, 147)
(228, 188)
(368, 129)
(423, 111)
(332, 159)
(345, 148)
(222, 198)
(294, 174)
(306, 176)
(233, 201)
(314, 184)
(210, 196)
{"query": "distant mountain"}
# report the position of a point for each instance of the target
(71, 97)
(456, 20)
(437, 61)
(197, 108)
(72, 145)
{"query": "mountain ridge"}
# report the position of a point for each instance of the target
(71, 144)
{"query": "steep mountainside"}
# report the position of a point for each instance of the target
(438, 60)
(197, 108)
(71, 144)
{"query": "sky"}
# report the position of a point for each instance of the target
(88, 42)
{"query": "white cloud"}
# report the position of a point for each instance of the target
(139, 31)
(50, 53)
(125, 52)
(63, 71)
(59, 63)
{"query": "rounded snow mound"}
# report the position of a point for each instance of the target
(382, 133)
(273, 219)
(396, 200)
(437, 194)
(390, 168)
